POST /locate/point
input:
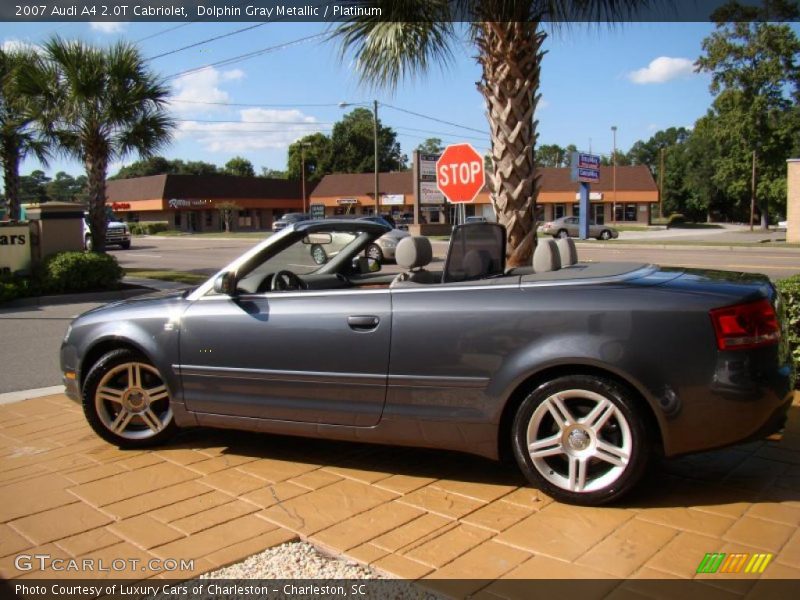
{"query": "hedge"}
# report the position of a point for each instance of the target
(790, 291)
(148, 227)
(78, 272)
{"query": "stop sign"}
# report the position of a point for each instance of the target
(459, 173)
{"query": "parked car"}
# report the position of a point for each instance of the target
(568, 227)
(381, 249)
(288, 219)
(580, 372)
(476, 220)
(783, 224)
(117, 233)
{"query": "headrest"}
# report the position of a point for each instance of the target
(413, 252)
(567, 250)
(476, 263)
(546, 257)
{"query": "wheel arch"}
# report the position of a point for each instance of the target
(537, 378)
(103, 346)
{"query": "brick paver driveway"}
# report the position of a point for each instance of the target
(218, 496)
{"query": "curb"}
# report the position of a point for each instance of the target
(12, 397)
(687, 246)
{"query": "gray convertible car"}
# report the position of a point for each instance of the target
(579, 371)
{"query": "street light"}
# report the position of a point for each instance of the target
(303, 146)
(614, 175)
(375, 134)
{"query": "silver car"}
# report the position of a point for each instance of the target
(381, 249)
(568, 227)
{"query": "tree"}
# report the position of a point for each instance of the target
(33, 187)
(98, 105)
(18, 136)
(158, 165)
(353, 145)
(226, 211)
(273, 173)
(431, 146)
(412, 35)
(66, 188)
(550, 155)
(239, 166)
(316, 150)
(755, 79)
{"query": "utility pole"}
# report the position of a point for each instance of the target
(303, 171)
(753, 193)
(377, 167)
(661, 185)
(614, 176)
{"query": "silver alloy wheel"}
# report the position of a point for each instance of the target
(563, 233)
(579, 441)
(374, 251)
(132, 401)
(605, 235)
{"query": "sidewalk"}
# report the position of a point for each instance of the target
(217, 497)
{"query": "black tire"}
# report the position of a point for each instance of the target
(604, 235)
(374, 251)
(614, 455)
(125, 245)
(87, 243)
(102, 412)
(318, 254)
(562, 233)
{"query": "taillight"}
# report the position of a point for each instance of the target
(746, 325)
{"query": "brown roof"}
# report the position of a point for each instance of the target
(200, 186)
(363, 184)
(635, 178)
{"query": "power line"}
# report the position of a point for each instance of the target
(255, 122)
(168, 29)
(202, 42)
(416, 114)
(444, 133)
(247, 55)
(247, 105)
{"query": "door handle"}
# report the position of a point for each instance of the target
(363, 322)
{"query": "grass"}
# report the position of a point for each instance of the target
(645, 242)
(166, 275)
(259, 235)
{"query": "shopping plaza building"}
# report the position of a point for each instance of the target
(192, 203)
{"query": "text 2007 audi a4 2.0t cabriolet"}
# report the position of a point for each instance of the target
(580, 370)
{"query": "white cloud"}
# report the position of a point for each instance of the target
(257, 129)
(14, 45)
(662, 69)
(108, 27)
(202, 86)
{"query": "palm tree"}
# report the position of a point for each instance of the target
(98, 105)
(18, 135)
(508, 37)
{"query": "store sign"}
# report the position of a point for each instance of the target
(393, 199)
(181, 203)
(15, 248)
(120, 206)
(592, 196)
(317, 211)
(427, 166)
(429, 193)
(347, 201)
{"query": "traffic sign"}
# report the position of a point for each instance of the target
(459, 173)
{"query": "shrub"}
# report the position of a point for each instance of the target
(790, 291)
(675, 219)
(13, 287)
(79, 271)
(148, 227)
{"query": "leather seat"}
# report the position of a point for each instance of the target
(414, 253)
(546, 257)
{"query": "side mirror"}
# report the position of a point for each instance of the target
(225, 283)
(363, 265)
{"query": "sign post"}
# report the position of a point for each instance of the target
(460, 175)
(586, 170)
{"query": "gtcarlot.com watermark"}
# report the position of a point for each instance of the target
(45, 562)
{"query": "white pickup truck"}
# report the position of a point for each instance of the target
(117, 233)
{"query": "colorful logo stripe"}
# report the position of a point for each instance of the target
(719, 562)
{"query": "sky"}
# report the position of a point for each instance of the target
(635, 76)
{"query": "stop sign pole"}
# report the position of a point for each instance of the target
(460, 174)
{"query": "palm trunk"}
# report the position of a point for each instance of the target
(510, 55)
(11, 181)
(96, 167)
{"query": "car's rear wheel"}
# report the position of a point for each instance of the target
(605, 234)
(374, 251)
(562, 233)
(127, 402)
(87, 243)
(581, 439)
(318, 254)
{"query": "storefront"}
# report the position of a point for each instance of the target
(354, 194)
(197, 203)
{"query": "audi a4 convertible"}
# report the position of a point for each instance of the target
(579, 371)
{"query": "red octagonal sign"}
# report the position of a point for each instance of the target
(459, 173)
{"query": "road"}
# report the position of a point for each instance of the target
(207, 255)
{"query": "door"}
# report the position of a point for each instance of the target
(316, 357)
(598, 214)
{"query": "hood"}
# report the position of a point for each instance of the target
(115, 225)
(149, 300)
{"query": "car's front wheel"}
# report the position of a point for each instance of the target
(581, 439)
(562, 233)
(127, 402)
(374, 251)
(605, 235)
(87, 243)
